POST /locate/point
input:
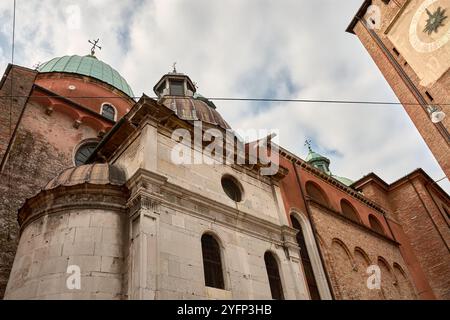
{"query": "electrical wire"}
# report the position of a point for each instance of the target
(323, 101)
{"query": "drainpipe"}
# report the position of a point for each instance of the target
(313, 227)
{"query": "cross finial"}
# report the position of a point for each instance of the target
(174, 67)
(94, 46)
(37, 65)
(308, 144)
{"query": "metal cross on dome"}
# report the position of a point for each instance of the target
(37, 65)
(94, 46)
(308, 143)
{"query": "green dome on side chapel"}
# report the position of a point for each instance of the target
(88, 66)
(323, 163)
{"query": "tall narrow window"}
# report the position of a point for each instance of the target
(212, 262)
(274, 276)
(109, 112)
(306, 261)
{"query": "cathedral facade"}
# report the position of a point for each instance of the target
(94, 205)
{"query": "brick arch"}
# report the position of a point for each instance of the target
(362, 262)
(376, 225)
(65, 109)
(363, 254)
(315, 192)
(341, 243)
(343, 265)
(404, 286)
(349, 211)
(93, 123)
(388, 280)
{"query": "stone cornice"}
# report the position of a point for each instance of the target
(62, 198)
(215, 211)
(331, 181)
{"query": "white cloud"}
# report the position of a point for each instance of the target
(235, 48)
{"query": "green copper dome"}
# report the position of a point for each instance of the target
(344, 180)
(88, 66)
(323, 164)
(312, 156)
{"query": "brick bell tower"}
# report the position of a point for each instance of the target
(409, 40)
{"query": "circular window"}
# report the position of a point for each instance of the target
(232, 188)
(84, 152)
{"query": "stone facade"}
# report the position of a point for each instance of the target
(133, 219)
(82, 227)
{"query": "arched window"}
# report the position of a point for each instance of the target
(274, 276)
(349, 211)
(375, 224)
(306, 261)
(84, 152)
(212, 262)
(108, 111)
(316, 193)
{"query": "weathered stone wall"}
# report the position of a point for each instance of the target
(44, 145)
(71, 228)
(181, 265)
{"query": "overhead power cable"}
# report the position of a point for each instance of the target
(323, 101)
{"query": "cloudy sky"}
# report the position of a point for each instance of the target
(288, 49)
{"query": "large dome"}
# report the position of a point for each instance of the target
(88, 66)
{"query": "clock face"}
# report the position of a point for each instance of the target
(430, 27)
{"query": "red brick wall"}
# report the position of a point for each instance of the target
(22, 80)
(349, 247)
(427, 231)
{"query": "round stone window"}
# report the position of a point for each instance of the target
(232, 188)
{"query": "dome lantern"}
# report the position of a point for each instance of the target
(322, 163)
(175, 84)
(317, 160)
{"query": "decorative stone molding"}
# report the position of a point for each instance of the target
(62, 198)
(142, 202)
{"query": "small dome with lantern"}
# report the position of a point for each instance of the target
(177, 92)
(323, 164)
